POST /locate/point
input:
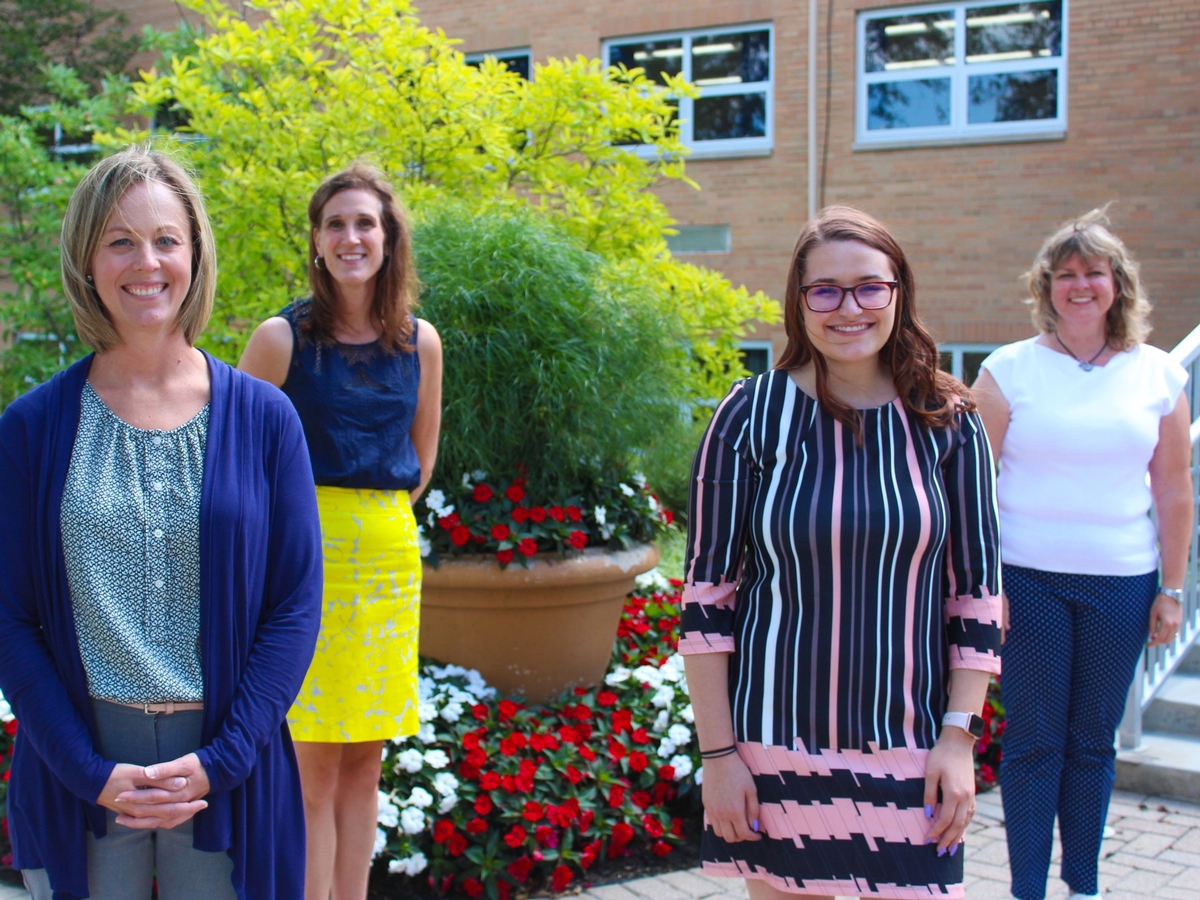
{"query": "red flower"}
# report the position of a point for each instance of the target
(640, 736)
(663, 791)
(459, 535)
(580, 712)
(442, 829)
(574, 513)
(537, 514)
(489, 781)
(524, 783)
(616, 796)
(666, 773)
(573, 775)
(668, 516)
(507, 710)
(586, 818)
(585, 730)
(500, 532)
(606, 698)
(470, 741)
(504, 889)
(653, 826)
(527, 546)
(587, 753)
(10, 728)
(508, 783)
(622, 834)
(562, 877)
(533, 811)
(556, 513)
(513, 744)
(616, 749)
(477, 826)
(519, 868)
(622, 720)
(457, 844)
(641, 799)
(540, 742)
(569, 811)
(677, 826)
(472, 887)
(480, 711)
(546, 836)
(448, 522)
(482, 493)
(520, 514)
(515, 493)
(662, 848)
(516, 837)
(483, 804)
(468, 771)
(504, 557)
(577, 539)
(638, 761)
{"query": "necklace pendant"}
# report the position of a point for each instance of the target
(1086, 366)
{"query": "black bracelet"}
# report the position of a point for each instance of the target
(715, 754)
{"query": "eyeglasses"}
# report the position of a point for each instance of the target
(824, 298)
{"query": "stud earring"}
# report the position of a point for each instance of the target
(88, 278)
(319, 262)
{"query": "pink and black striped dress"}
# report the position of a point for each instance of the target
(845, 582)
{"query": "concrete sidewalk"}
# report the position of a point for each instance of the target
(1153, 851)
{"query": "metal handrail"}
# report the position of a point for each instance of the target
(1157, 663)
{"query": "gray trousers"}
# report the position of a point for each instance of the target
(124, 864)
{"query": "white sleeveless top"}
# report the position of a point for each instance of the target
(1072, 488)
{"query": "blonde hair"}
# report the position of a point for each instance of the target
(88, 212)
(1128, 321)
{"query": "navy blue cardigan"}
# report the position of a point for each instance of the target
(260, 608)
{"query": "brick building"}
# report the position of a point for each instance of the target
(971, 128)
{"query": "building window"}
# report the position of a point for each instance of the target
(963, 360)
(962, 71)
(733, 68)
(756, 356)
(519, 61)
(699, 239)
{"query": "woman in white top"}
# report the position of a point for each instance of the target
(1078, 417)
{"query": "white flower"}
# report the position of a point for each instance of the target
(680, 734)
(423, 543)
(663, 696)
(388, 816)
(619, 675)
(427, 735)
(412, 820)
(682, 764)
(436, 501)
(675, 664)
(653, 503)
(639, 479)
(654, 580)
(426, 710)
(600, 514)
(687, 714)
(452, 711)
(420, 798)
(380, 842)
(445, 783)
(661, 721)
(666, 748)
(410, 760)
(648, 675)
(466, 481)
(437, 759)
(479, 475)
(699, 779)
(448, 802)
(413, 865)
(627, 490)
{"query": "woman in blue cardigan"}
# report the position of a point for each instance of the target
(161, 577)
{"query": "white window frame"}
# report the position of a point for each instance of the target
(956, 351)
(509, 52)
(958, 131)
(730, 147)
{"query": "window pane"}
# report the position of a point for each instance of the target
(971, 362)
(910, 42)
(1014, 31)
(518, 63)
(734, 116)
(731, 58)
(756, 359)
(699, 239)
(1012, 98)
(908, 104)
(658, 58)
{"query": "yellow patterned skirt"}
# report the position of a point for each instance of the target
(362, 684)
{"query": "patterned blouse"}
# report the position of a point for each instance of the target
(131, 543)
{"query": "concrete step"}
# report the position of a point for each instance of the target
(1176, 707)
(1190, 664)
(1166, 765)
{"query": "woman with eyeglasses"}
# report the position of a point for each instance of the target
(841, 603)
(1091, 429)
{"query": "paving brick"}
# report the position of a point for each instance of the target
(657, 889)
(994, 853)
(1181, 857)
(1141, 881)
(612, 892)
(1150, 845)
(1188, 843)
(690, 884)
(1148, 864)
(1178, 818)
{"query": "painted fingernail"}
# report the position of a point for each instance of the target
(754, 825)
(954, 849)
(928, 840)
(929, 812)
(942, 852)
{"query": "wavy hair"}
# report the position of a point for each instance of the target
(928, 393)
(1128, 321)
(396, 280)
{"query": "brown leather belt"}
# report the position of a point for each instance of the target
(167, 708)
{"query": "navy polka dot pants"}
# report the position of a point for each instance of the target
(1072, 646)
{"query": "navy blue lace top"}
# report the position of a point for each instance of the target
(356, 402)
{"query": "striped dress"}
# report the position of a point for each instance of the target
(845, 582)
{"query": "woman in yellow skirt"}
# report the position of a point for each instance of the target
(365, 376)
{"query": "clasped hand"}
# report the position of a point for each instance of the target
(160, 796)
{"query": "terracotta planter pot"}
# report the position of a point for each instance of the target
(532, 632)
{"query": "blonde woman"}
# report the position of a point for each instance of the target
(365, 376)
(1078, 417)
(160, 576)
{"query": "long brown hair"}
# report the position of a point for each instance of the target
(396, 280)
(930, 394)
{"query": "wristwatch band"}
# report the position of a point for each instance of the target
(968, 722)
(1175, 594)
